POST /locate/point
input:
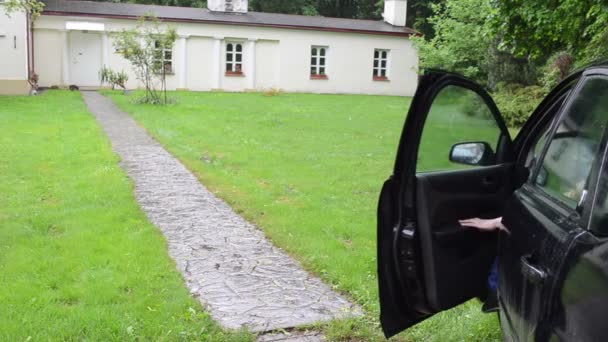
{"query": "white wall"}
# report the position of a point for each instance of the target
(282, 58)
(48, 57)
(13, 46)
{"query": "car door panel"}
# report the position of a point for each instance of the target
(441, 202)
(427, 262)
(537, 238)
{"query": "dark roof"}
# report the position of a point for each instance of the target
(203, 15)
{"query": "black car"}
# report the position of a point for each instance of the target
(456, 160)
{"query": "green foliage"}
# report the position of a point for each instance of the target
(113, 78)
(558, 66)
(461, 42)
(517, 102)
(536, 29)
(32, 7)
(143, 47)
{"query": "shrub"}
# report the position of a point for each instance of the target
(273, 92)
(517, 102)
(557, 68)
(113, 78)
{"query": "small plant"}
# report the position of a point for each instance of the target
(273, 92)
(33, 81)
(113, 78)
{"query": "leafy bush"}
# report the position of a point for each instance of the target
(557, 68)
(517, 102)
(113, 78)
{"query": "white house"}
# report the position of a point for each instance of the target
(224, 47)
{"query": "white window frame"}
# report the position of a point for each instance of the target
(231, 65)
(318, 61)
(163, 58)
(380, 73)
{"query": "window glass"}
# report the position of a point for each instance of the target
(234, 57)
(317, 60)
(380, 64)
(566, 165)
(163, 57)
(457, 115)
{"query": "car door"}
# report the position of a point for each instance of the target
(427, 262)
(548, 216)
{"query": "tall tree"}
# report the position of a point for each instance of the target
(537, 29)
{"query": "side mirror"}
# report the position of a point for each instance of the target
(473, 153)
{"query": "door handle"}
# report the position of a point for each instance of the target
(532, 272)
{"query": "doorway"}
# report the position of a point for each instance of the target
(85, 58)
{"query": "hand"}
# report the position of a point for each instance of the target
(487, 225)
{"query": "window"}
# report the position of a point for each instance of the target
(318, 62)
(380, 65)
(457, 115)
(234, 59)
(566, 166)
(163, 58)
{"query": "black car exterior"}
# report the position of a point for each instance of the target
(550, 185)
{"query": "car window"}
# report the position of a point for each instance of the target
(457, 115)
(567, 162)
(537, 148)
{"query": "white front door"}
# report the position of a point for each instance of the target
(85, 58)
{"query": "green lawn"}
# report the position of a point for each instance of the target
(78, 259)
(308, 170)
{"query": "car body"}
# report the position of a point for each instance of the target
(549, 184)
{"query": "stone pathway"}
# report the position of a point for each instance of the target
(228, 264)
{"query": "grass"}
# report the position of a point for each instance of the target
(308, 170)
(78, 259)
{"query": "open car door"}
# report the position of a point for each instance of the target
(454, 162)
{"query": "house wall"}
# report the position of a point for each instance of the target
(13, 55)
(281, 58)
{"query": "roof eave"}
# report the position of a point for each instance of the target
(219, 22)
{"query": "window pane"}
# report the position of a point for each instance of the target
(239, 57)
(376, 72)
(239, 47)
(321, 71)
(376, 54)
(384, 54)
(313, 71)
(322, 61)
(229, 57)
(566, 165)
(314, 51)
(322, 50)
(375, 64)
(228, 66)
(457, 115)
(313, 61)
(229, 47)
(238, 67)
(383, 72)
(383, 64)
(168, 54)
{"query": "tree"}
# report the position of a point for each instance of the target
(462, 40)
(145, 47)
(32, 8)
(540, 28)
